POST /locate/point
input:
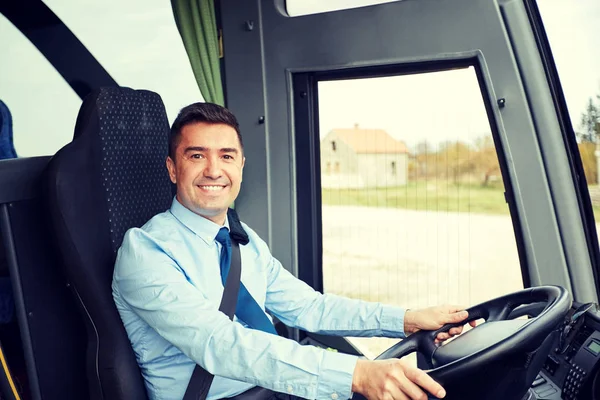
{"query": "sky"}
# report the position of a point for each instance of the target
(138, 43)
(437, 107)
(573, 29)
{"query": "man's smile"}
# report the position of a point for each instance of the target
(212, 188)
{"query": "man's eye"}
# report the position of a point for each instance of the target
(228, 157)
(196, 156)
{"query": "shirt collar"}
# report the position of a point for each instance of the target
(202, 227)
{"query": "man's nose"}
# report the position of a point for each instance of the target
(213, 168)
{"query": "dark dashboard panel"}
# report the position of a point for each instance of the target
(572, 370)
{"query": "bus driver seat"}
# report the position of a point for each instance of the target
(110, 178)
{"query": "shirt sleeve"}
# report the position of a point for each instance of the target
(298, 305)
(157, 290)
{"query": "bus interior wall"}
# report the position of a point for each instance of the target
(46, 334)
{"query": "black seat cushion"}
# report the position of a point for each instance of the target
(111, 177)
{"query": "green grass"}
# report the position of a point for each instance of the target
(424, 196)
(429, 196)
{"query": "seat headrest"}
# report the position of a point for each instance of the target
(127, 130)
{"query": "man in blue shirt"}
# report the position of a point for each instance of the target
(167, 287)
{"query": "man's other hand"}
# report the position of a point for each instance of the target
(433, 318)
(393, 379)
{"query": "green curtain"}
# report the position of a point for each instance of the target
(197, 26)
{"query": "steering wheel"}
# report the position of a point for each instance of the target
(498, 359)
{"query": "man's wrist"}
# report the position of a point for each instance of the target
(410, 325)
(357, 376)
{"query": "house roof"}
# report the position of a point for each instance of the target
(370, 141)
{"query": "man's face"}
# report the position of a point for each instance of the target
(207, 169)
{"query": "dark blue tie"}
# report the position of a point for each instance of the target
(247, 308)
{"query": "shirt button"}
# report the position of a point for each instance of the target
(334, 396)
(290, 389)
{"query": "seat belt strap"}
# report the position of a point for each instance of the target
(202, 379)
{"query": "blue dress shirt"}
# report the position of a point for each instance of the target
(167, 288)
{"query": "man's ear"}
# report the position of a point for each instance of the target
(172, 170)
(242, 169)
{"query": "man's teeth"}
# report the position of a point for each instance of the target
(212, 187)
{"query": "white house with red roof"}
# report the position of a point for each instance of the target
(362, 158)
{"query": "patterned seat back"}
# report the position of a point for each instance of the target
(111, 177)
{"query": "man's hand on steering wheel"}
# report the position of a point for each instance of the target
(393, 379)
(433, 318)
(397, 379)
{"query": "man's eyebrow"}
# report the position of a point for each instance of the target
(194, 148)
(200, 148)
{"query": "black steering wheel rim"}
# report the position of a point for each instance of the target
(526, 338)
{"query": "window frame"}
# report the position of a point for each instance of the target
(568, 133)
(308, 161)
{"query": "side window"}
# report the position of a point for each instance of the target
(414, 212)
(572, 32)
(142, 49)
(43, 106)
(304, 7)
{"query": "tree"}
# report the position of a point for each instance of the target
(485, 159)
(588, 159)
(423, 147)
(454, 160)
(424, 160)
(589, 130)
(589, 139)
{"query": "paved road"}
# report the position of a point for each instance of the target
(417, 258)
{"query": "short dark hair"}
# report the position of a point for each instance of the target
(201, 112)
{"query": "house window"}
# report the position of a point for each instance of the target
(394, 168)
(333, 145)
(328, 169)
(336, 168)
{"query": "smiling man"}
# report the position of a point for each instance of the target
(167, 286)
(209, 169)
